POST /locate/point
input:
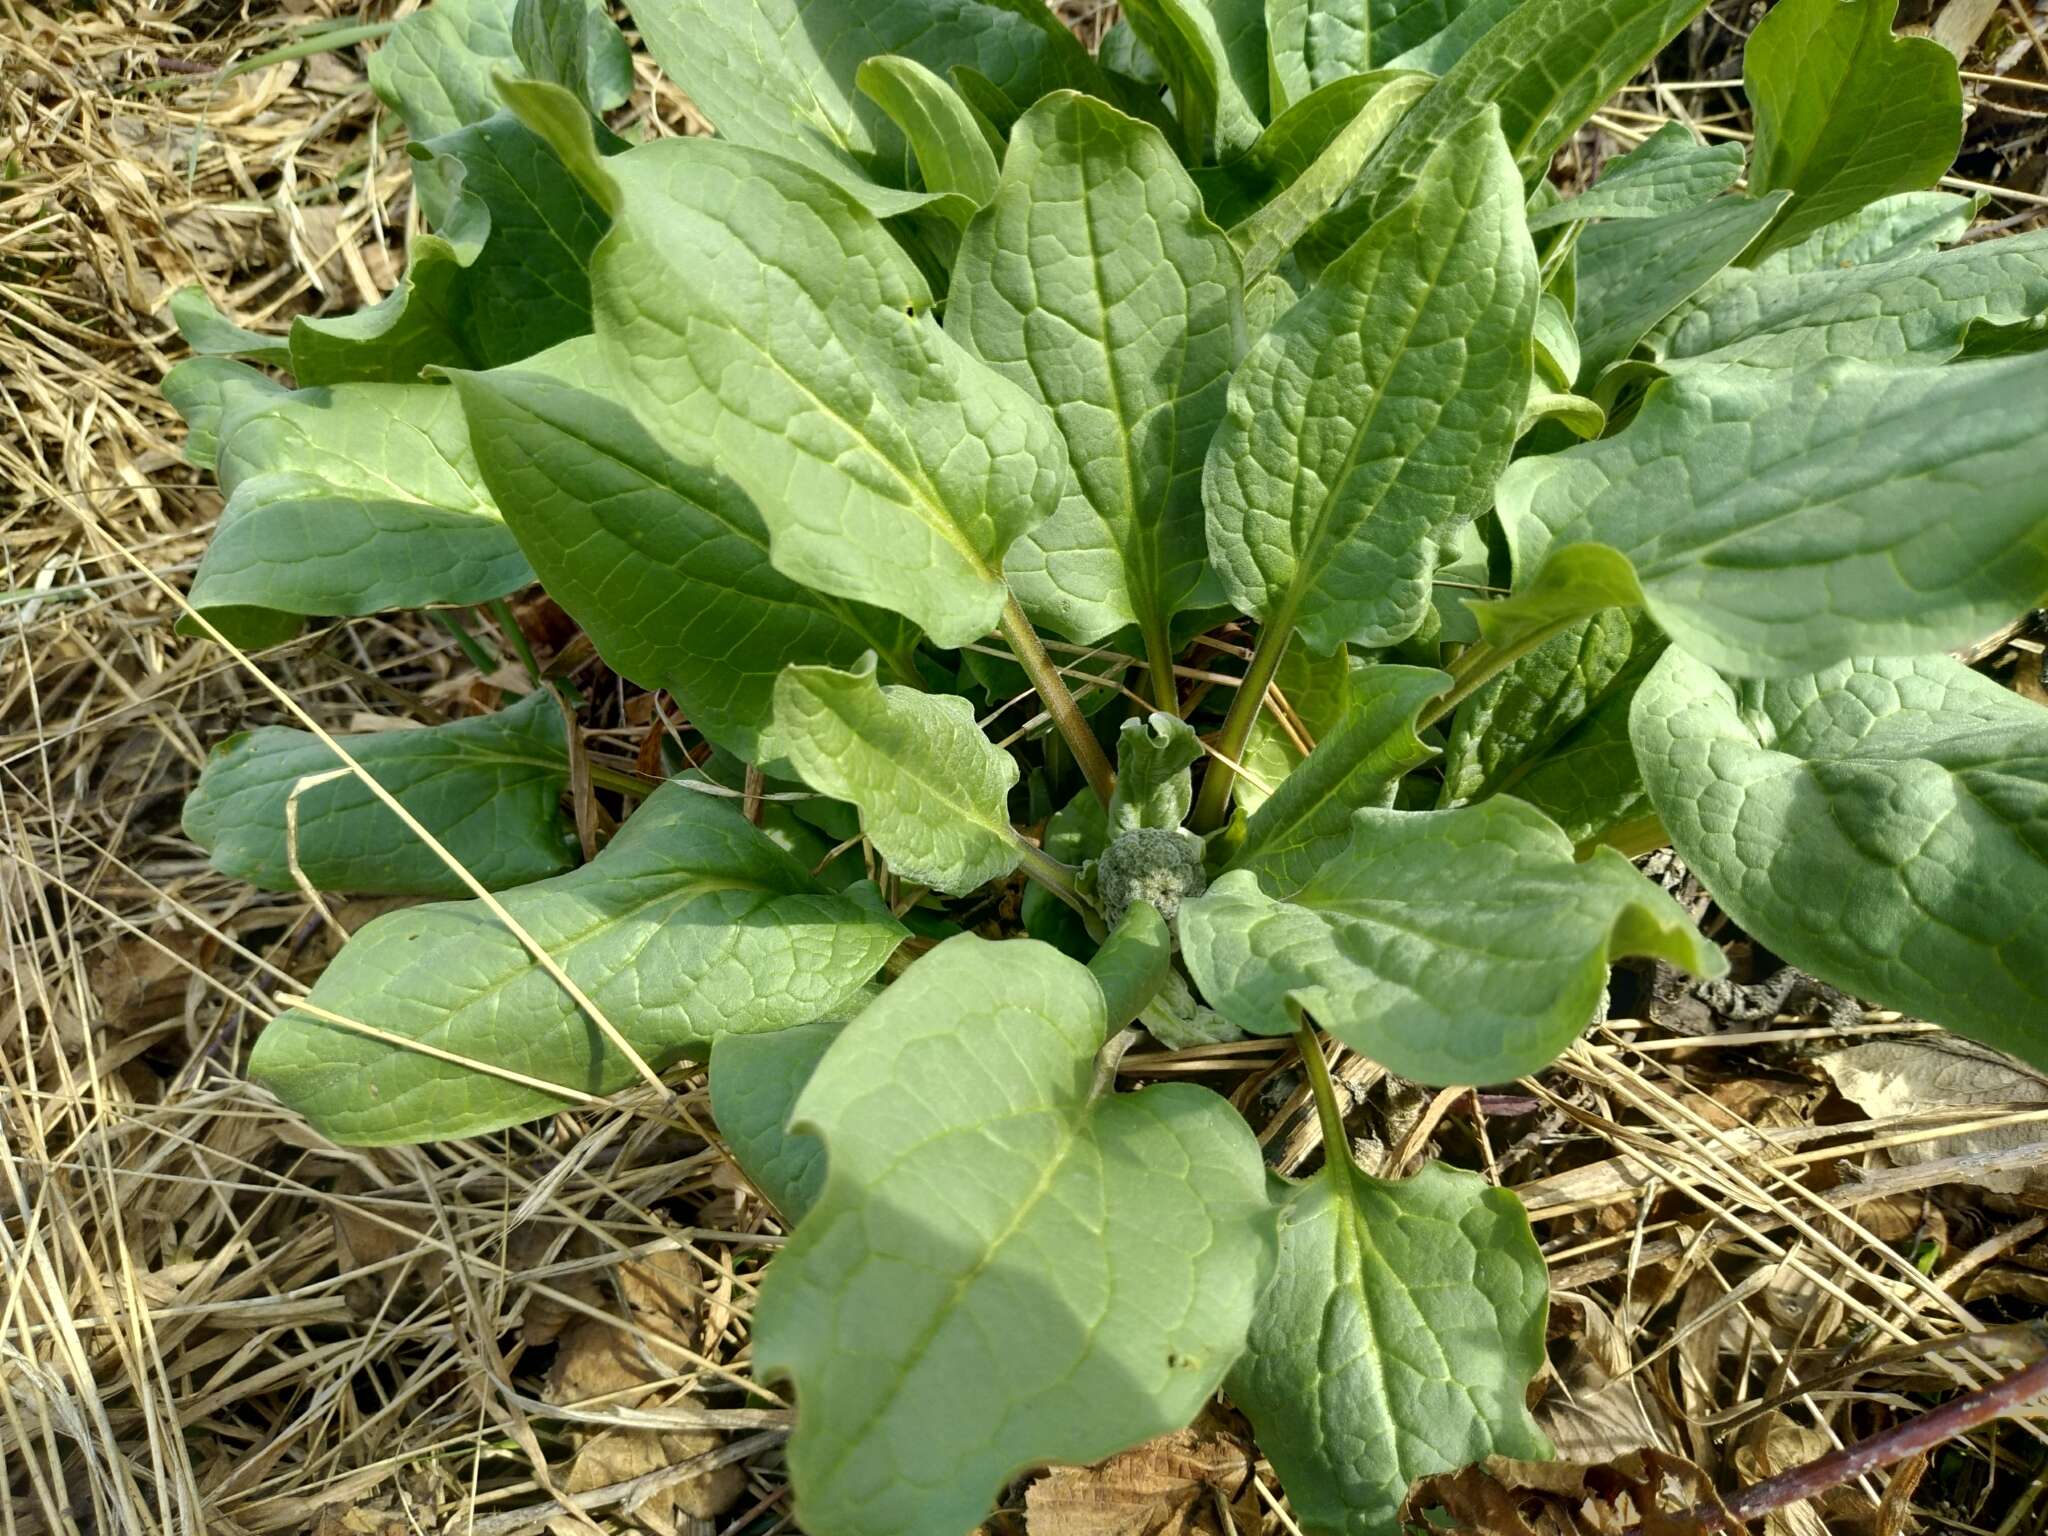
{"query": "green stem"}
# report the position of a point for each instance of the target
(1217, 779)
(1159, 663)
(1057, 878)
(472, 647)
(1336, 1144)
(624, 783)
(1059, 703)
(1481, 664)
(502, 612)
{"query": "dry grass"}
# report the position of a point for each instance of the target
(213, 1321)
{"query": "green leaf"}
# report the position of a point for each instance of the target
(1377, 413)
(1910, 309)
(1462, 946)
(1777, 523)
(1667, 173)
(1882, 824)
(1582, 417)
(211, 334)
(1132, 966)
(690, 924)
(1318, 693)
(664, 565)
(1588, 782)
(1313, 42)
(1545, 65)
(435, 68)
(573, 44)
(779, 75)
(1504, 728)
(1011, 1269)
(1077, 832)
(1311, 189)
(1910, 224)
(1846, 113)
(352, 500)
(1634, 272)
(755, 1083)
(205, 391)
(1095, 282)
(489, 788)
(1154, 785)
(770, 325)
(952, 156)
(1216, 117)
(1557, 344)
(933, 791)
(1307, 820)
(1398, 1340)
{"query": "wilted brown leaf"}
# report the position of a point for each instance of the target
(1165, 1487)
(1925, 1076)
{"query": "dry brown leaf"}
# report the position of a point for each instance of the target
(618, 1362)
(1646, 1490)
(1165, 1487)
(1940, 1073)
(1776, 1444)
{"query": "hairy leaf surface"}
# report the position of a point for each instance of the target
(768, 322)
(1154, 785)
(1004, 1267)
(690, 924)
(1882, 824)
(665, 565)
(933, 791)
(1778, 523)
(1462, 946)
(489, 788)
(1376, 414)
(1095, 281)
(1217, 118)
(1400, 1335)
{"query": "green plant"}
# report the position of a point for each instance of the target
(1555, 528)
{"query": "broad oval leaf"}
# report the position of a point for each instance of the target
(1634, 272)
(1005, 1267)
(1667, 173)
(755, 1083)
(1910, 224)
(779, 75)
(1777, 523)
(435, 68)
(689, 924)
(933, 791)
(1398, 1340)
(1911, 309)
(1317, 693)
(665, 565)
(1307, 820)
(1095, 281)
(488, 788)
(1882, 824)
(952, 156)
(351, 500)
(1377, 413)
(768, 323)
(1217, 117)
(1463, 946)
(1505, 728)
(1545, 65)
(1846, 112)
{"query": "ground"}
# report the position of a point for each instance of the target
(1771, 1214)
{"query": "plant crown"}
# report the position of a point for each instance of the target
(939, 436)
